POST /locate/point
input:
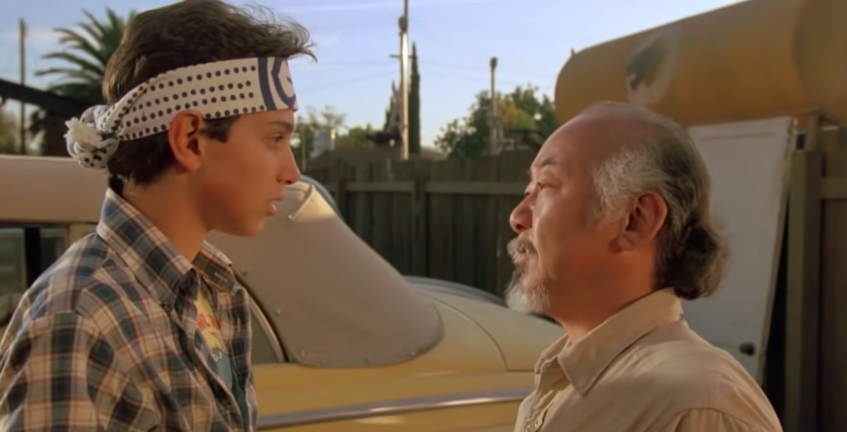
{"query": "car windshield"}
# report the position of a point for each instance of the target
(323, 191)
(333, 301)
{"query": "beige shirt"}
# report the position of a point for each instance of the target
(644, 370)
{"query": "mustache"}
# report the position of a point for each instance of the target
(519, 246)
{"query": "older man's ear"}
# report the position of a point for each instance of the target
(643, 222)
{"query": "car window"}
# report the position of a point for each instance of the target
(25, 252)
(12, 267)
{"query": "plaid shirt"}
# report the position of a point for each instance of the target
(107, 338)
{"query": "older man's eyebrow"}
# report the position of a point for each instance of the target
(544, 163)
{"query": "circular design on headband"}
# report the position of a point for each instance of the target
(215, 90)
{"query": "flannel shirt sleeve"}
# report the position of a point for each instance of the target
(60, 373)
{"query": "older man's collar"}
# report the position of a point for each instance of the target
(585, 360)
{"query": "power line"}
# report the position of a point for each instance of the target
(429, 64)
(484, 79)
(375, 24)
(422, 63)
(347, 7)
(318, 63)
(466, 66)
(434, 126)
(350, 81)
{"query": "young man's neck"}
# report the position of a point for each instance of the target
(172, 213)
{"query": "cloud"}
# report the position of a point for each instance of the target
(380, 5)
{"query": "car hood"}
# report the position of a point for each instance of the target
(521, 338)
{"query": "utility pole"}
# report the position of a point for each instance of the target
(22, 53)
(404, 81)
(495, 120)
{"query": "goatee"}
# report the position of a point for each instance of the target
(520, 297)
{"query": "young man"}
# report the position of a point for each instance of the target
(141, 326)
(614, 230)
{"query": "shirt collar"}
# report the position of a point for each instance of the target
(584, 361)
(163, 270)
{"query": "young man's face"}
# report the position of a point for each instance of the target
(241, 180)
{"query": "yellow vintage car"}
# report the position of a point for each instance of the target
(342, 341)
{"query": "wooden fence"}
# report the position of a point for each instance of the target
(816, 298)
(442, 219)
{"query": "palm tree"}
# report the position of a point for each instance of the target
(86, 53)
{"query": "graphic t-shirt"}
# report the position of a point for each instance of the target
(207, 324)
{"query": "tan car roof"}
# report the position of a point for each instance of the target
(332, 299)
(45, 189)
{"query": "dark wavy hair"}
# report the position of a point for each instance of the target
(188, 33)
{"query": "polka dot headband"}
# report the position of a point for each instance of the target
(217, 90)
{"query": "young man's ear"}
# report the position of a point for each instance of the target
(186, 139)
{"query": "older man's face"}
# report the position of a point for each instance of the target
(557, 241)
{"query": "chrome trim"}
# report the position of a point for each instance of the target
(323, 191)
(265, 325)
(257, 313)
(384, 408)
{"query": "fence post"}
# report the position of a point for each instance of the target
(341, 198)
(802, 320)
(420, 247)
(341, 176)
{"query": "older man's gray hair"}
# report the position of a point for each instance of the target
(691, 254)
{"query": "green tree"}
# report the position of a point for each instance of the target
(86, 53)
(390, 127)
(540, 107)
(415, 105)
(521, 111)
(9, 135)
(328, 118)
(390, 111)
(459, 139)
(356, 136)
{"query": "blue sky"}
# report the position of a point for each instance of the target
(455, 38)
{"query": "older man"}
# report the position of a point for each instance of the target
(614, 230)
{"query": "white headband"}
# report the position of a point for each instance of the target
(217, 90)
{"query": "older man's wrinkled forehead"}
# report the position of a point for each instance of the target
(591, 137)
